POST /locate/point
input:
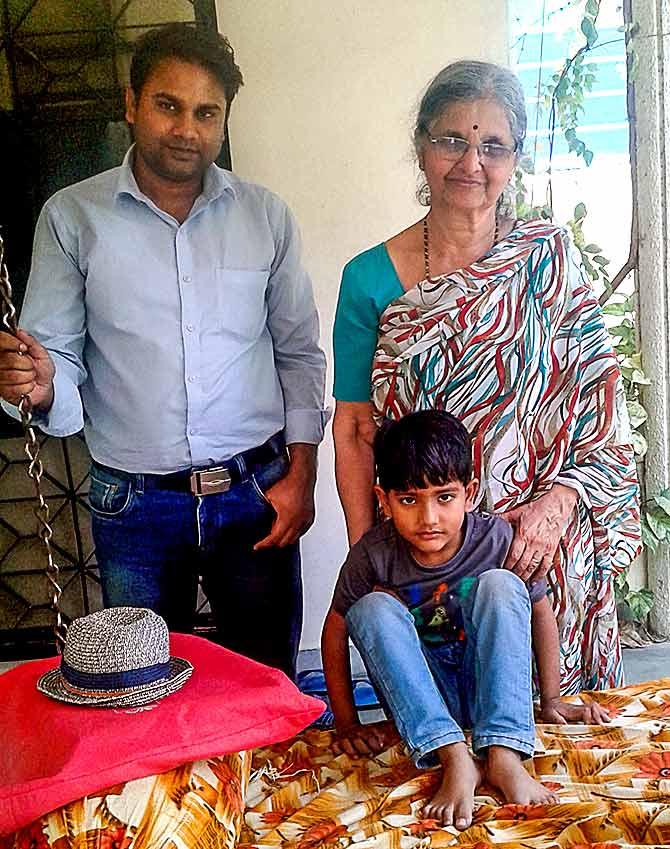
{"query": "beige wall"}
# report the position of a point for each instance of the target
(324, 119)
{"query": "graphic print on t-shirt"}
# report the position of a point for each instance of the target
(439, 618)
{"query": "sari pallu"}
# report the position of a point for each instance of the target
(516, 348)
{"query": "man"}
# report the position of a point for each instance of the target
(168, 314)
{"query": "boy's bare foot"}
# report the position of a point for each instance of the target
(505, 771)
(454, 802)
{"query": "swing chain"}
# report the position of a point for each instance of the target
(35, 468)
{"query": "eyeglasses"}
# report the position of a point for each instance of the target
(453, 148)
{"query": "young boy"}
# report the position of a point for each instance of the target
(444, 632)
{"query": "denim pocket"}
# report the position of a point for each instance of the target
(109, 495)
(268, 476)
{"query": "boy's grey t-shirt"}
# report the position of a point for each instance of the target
(381, 559)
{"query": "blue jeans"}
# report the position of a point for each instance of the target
(483, 682)
(152, 545)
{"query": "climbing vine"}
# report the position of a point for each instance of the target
(562, 100)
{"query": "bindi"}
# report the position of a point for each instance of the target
(475, 126)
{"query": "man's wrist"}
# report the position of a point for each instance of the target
(302, 461)
(549, 701)
(45, 405)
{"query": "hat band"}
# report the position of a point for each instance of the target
(114, 680)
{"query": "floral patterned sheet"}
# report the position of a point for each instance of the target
(613, 783)
(195, 805)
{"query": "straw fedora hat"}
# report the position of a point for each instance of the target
(119, 657)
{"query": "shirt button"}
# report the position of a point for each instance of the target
(189, 327)
(186, 278)
(192, 431)
(192, 378)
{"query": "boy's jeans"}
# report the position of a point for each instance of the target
(151, 545)
(433, 693)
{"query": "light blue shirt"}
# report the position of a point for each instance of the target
(175, 345)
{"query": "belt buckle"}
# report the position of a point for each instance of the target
(210, 481)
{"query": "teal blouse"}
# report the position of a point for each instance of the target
(369, 284)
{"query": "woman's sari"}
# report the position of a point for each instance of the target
(515, 346)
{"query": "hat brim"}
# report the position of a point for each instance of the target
(53, 684)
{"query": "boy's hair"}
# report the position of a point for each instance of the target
(428, 448)
(195, 44)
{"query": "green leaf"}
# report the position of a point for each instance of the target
(640, 603)
(657, 526)
(617, 308)
(663, 502)
(592, 8)
(639, 378)
(589, 31)
(592, 249)
(640, 445)
(638, 414)
(580, 212)
(648, 539)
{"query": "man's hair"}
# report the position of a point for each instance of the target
(428, 448)
(190, 43)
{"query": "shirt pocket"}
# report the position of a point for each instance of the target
(242, 310)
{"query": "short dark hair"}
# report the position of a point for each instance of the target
(428, 448)
(191, 43)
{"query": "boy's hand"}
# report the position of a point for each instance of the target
(559, 713)
(357, 740)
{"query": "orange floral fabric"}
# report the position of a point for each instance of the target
(613, 783)
(195, 805)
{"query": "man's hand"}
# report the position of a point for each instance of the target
(26, 369)
(559, 713)
(358, 740)
(292, 499)
(538, 527)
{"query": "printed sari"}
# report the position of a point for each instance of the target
(515, 346)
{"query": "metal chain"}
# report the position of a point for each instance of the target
(35, 468)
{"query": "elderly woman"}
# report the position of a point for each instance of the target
(493, 320)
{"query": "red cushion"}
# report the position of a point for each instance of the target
(53, 753)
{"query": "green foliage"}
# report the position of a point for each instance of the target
(634, 605)
(564, 98)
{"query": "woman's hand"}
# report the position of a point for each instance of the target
(538, 527)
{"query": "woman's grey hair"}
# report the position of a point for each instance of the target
(471, 80)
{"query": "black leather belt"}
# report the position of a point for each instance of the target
(213, 479)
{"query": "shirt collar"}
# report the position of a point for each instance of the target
(216, 181)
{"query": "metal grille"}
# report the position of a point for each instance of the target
(26, 615)
(60, 54)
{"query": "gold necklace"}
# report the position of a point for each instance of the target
(426, 248)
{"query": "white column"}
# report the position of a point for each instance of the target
(651, 83)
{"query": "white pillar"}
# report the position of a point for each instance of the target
(651, 85)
